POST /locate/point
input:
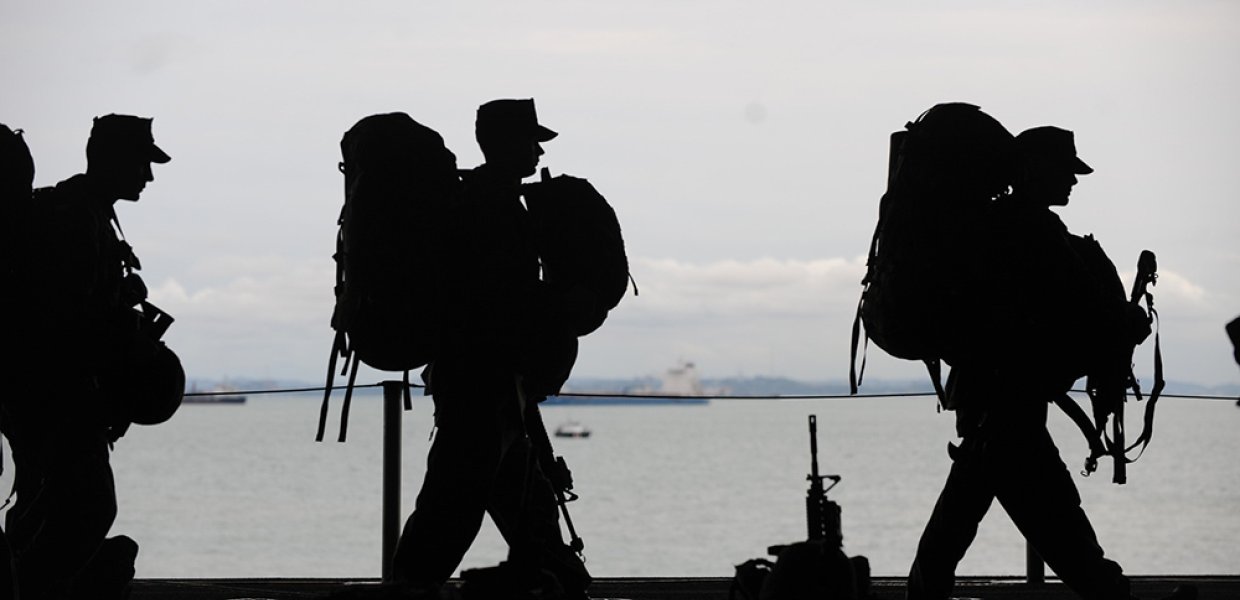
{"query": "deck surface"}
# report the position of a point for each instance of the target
(1210, 588)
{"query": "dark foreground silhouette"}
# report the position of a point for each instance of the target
(502, 352)
(91, 363)
(1233, 333)
(971, 267)
(503, 293)
(16, 179)
(487, 282)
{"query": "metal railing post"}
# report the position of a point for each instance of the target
(392, 395)
(1035, 568)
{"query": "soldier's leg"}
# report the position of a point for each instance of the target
(29, 463)
(965, 498)
(75, 505)
(460, 473)
(527, 514)
(510, 506)
(1040, 496)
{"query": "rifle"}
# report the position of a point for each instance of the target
(1109, 395)
(822, 516)
(554, 468)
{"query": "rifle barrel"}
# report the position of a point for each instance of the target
(813, 447)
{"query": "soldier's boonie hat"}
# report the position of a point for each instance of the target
(1054, 143)
(125, 134)
(511, 118)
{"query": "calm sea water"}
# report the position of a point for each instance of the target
(244, 491)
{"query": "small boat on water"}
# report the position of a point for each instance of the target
(679, 385)
(572, 429)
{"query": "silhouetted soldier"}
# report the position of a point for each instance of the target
(1233, 333)
(81, 292)
(1059, 303)
(16, 179)
(481, 460)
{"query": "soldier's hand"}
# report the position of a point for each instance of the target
(133, 290)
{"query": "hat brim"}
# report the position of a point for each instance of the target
(1080, 168)
(542, 134)
(158, 156)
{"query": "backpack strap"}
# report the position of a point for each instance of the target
(339, 348)
(1147, 432)
(348, 397)
(129, 260)
(407, 394)
(934, 367)
(855, 372)
(1096, 447)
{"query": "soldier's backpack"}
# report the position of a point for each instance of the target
(399, 179)
(581, 247)
(16, 178)
(920, 299)
(16, 163)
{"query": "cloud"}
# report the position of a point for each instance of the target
(765, 287)
(732, 317)
(270, 318)
(1176, 288)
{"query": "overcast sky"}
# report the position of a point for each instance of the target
(742, 144)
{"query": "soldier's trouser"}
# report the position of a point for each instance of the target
(66, 502)
(480, 462)
(1024, 472)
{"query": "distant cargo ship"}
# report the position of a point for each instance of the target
(215, 396)
(680, 385)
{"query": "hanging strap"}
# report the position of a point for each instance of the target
(857, 372)
(339, 348)
(348, 399)
(408, 395)
(1147, 276)
(1147, 432)
(934, 367)
(1115, 446)
(1096, 448)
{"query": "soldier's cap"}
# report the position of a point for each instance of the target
(1054, 143)
(125, 134)
(510, 118)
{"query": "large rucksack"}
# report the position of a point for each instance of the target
(920, 298)
(399, 179)
(16, 163)
(16, 179)
(581, 248)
